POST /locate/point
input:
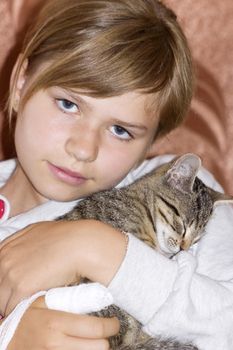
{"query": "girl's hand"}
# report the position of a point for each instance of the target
(53, 254)
(41, 328)
(29, 260)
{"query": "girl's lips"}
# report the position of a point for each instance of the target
(66, 175)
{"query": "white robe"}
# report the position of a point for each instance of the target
(189, 297)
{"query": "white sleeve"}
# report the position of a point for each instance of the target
(190, 298)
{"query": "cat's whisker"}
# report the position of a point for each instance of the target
(172, 242)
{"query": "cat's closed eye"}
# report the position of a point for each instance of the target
(179, 227)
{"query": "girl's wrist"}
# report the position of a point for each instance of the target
(100, 250)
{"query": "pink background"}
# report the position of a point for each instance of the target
(208, 130)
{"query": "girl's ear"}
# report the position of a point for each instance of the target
(18, 79)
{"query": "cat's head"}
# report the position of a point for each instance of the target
(185, 205)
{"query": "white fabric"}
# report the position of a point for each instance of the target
(81, 299)
(190, 297)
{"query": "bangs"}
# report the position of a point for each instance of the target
(113, 61)
(105, 48)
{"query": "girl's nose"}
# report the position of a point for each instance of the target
(84, 146)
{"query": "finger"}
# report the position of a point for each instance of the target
(92, 327)
(12, 301)
(19, 234)
(12, 238)
(5, 296)
(81, 326)
(14, 298)
(9, 296)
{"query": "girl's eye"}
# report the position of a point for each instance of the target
(121, 132)
(67, 106)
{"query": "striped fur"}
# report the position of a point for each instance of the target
(168, 209)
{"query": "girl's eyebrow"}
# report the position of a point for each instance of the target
(82, 101)
(129, 125)
(77, 98)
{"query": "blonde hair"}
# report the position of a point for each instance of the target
(109, 47)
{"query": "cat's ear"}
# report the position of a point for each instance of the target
(183, 172)
(220, 198)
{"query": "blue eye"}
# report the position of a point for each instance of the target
(121, 132)
(67, 106)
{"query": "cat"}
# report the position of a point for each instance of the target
(168, 209)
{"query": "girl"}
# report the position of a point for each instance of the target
(96, 83)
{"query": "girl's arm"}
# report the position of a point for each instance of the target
(45, 328)
(53, 254)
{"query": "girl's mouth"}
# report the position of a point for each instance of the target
(66, 175)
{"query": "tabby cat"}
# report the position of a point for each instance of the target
(168, 209)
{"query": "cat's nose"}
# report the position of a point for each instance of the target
(185, 244)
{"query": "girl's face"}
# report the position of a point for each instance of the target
(70, 145)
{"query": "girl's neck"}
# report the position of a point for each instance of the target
(20, 193)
